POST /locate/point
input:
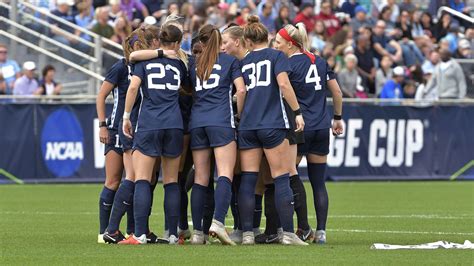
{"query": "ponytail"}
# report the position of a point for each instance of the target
(211, 39)
(303, 36)
(298, 37)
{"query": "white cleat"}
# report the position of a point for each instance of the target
(280, 234)
(236, 236)
(184, 234)
(320, 237)
(198, 238)
(173, 240)
(217, 229)
(292, 239)
(248, 238)
(100, 239)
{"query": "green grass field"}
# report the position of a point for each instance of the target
(57, 224)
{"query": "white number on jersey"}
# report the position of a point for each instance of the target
(256, 73)
(161, 74)
(206, 85)
(313, 77)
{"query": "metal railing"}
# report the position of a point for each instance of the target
(454, 13)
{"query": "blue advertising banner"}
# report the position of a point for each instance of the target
(60, 143)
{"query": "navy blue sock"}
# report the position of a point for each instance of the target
(222, 197)
(301, 208)
(122, 201)
(257, 214)
(152, 191)
(273, 221)
(284, 202)
(317, 176)
(183, 208)
(246, 199)
(234, 207)
(208, 212)
(106, 201)
(141, 206)
(172, 203)
(130, 219)
(198, 196)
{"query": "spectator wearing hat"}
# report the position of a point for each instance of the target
(306, 15)
(448, 78)
(9, 69)
(421, 91)
(331, 22)
(464, 52)
(392, 89)
(349, 7)
(361, 19)
(27, 83)
(453, 37)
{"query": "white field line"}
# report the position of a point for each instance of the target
(399, 232)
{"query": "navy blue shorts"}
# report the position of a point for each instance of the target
(261, 138)
(161, 142)
(211, 137)
(127, 144)
(315, 142)
(114, 142)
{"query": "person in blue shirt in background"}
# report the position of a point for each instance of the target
(9, 70)
(392, 89)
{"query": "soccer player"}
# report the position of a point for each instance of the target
(212, 128)
(158, 133)
(263, 128)
(311, 77)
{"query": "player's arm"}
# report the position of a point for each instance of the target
(290, 97)
(337, 128)
(129, 100)
(104, 91)
(144, 55)
(240, 93)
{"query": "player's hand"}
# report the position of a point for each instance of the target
(104, 135)
(299, 123)
(127, 128)
(337, 127)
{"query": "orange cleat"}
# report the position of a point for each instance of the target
(132, 240)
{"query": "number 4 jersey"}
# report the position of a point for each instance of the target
(213, 98)
(310, 84)
(161, 79)
(263, 108)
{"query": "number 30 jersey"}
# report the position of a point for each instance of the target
(161, 79)
(310, 84)
(263, 108)
(213, 98)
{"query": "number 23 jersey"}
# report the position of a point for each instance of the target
(161, 79)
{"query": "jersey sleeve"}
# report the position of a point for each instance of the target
(281, 64)
(236, 69)
(113, 75)
(139, 70)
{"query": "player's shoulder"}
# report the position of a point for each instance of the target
(120, 64)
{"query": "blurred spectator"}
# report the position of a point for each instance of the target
(154, 8)
(431, 62)
(409, 89)
(361, 19)
(101, 26)
(365, 62)
(392, 89)
(407, 5)
(306, 15)
(318, 38)
(457, 5)
(349, 78)
(115, 11)
(464, 51)
(250, 4)
(121, 30)
(448, 78)
(187, 12)
(421, 92)
(385, 15)
(27, 83)
(411, 53)
(9, 69)
(428, 25)
(418, 33)
(129, 6)
(217, 15)
(266, 17)
(283, 18)
(452, 37)
(383, 45)
(329, 19)
(383, 74)
(349, 6)
(84, 18)
(244, 13)
(47, 86)
(394, 7)
(3, 85)
(442, 27)
(275, 6)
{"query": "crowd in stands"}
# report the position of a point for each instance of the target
(378, 48)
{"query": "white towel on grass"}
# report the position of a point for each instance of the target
(435, 245)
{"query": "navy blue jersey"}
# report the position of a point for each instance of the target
(263, 108)
(118, 75)
(161, 79)
(213, 98)
(310, 84)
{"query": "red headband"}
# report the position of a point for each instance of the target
(284, 34)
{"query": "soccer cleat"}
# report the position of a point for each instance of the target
(134, 240)
(173, 240)
(236, 236)
(248, 238)
(100, 239)
(280, 234)
(113, 238)
(267, 239)
(307, 235)
(151, 238)
(320, 237)
(217, 229)
(184, 234)
(198, 238)
(292, 239)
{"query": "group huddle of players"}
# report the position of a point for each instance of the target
(238, 108)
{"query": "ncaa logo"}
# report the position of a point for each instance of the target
(62, 143)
